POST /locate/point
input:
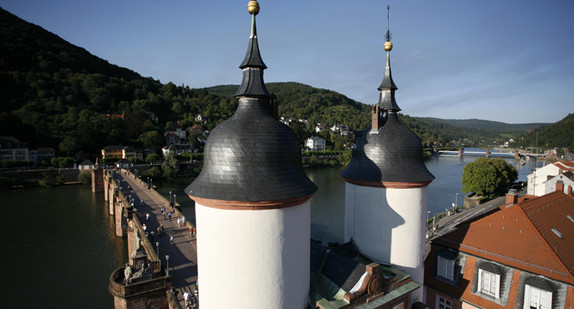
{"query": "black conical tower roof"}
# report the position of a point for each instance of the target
(252, 159)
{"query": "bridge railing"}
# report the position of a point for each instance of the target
(146, 243)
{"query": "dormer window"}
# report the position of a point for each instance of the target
(489, 278)
(537, 294)
(445, 264)
(489, 283)
(535, 298)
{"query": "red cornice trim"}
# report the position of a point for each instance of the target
(247, 205)
(388, 184)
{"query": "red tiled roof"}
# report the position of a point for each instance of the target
(521, 236)
(565, 165)
(551, 217)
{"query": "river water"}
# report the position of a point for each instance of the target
(60, 247)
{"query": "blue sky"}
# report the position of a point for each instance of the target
(509, 61)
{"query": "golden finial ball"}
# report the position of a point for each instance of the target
(388, 45)
(253, 7)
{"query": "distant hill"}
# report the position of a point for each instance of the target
(476, 129)
(560, 134)
(58, 95)
(488, 125)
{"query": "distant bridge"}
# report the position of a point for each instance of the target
(490, 153)
(486, 153)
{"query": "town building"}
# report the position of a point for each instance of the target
(174, 134)
(536, 181)
(176, 149)
(12, 149)
(320, 127)
(118, 152)
(86, 165)
(252, 203)
(521, 255)
(45, 153)
(315, 143)
(565, 181)
(386, 193)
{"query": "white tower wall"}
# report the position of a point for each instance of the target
(253, 258)
(388, 226)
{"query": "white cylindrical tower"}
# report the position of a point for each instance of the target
(253, 258)
(386, 190)
(253, 204)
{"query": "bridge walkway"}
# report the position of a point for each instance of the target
(182, 251)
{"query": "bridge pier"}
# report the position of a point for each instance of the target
(113, 193)
(106, 187)
(121, 217)
(97, 180)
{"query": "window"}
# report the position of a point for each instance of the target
(535, 298)
(443, 303)
(445, 267)
(489, 283)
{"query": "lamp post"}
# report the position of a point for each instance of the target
(174, 199)
(148, 182)
(167, 265)
(456, 200)
(428, 213)
(170, 198)
(158, 256)
(151, 183)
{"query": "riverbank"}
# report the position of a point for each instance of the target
(49, 177)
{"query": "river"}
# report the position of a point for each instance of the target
(60, 245)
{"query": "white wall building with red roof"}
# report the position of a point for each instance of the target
(536, 180)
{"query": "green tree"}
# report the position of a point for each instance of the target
(151, 139)
(488, 177)
(152, 158)
(169, 166)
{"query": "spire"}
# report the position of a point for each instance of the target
(251, 159)
(387, 88)
(252, 66)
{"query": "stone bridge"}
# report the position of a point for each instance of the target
(161, 252)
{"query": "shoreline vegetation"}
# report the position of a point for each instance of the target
(22, 177)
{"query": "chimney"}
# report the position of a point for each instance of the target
(376, 118)
(511, 197)
(560, 186)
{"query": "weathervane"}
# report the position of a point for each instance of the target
(388, 35)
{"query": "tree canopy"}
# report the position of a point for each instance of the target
(488, 177)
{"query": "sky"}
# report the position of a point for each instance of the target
(510, 61)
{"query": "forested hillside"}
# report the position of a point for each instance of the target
(476, 131)
(58, 95)
(560, 134)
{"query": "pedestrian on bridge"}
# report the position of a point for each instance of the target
(178, 222)
(147, 216)
(186, 297)
(183, 220)
(169, 215)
